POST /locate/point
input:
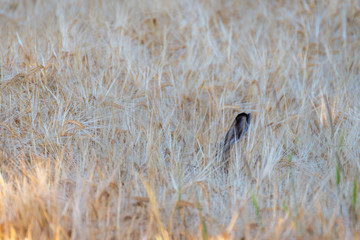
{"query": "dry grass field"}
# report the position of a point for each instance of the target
(112, 114)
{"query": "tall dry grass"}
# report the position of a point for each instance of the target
(111, 113)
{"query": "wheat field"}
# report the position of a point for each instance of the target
(113, 113)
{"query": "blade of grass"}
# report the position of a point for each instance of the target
(338, 165)
(162, 230)
(256, 206)
(204, 231)
(354, 198)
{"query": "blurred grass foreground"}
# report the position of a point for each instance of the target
(112, 114)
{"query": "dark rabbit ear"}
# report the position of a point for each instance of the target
(237, 130)
(242, 122)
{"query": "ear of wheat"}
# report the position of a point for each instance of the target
(237, 130)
